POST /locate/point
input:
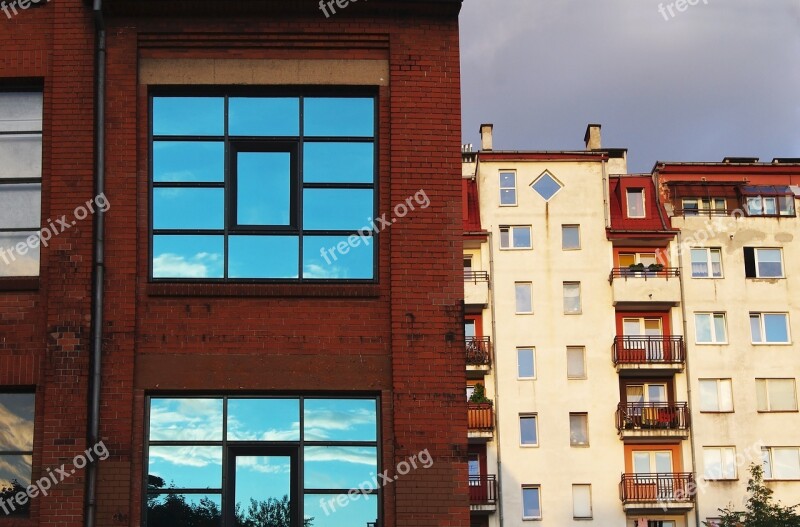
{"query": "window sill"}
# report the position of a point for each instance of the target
(19, 283)
(264, 290)
(777, 411)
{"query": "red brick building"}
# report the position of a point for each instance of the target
(275, 304)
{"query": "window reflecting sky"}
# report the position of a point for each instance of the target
(356, 263)
(340, 420)
(336, 467)
(264, 419)
(338, 162)
(199, 161)
(260, 116)
(185, 419)
(188, 116)
(187, 466)
(16, 434)
(357, 513)
(195, 256)
(188, 208)
(263, 185)
(340, 117)
(261, 478)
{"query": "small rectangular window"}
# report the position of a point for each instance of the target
(769, 328)
(572, 298)
(524, 298)
(716, 395)
(719, 463)
(528, 430)
(781, 462)
(570, 237)
(581, 502)
(710, 328)
(508, 188)
(578, 429)
(515, 237)
(763, 263)
(576, 362)
(16, 449)
(776, 395)
(526, 363)
(706, 263)
(635, 200)
(531, 502)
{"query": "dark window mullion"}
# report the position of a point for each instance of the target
(229, 195)
(300, 187)
(343, 186)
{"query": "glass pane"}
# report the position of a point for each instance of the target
(641, 462)
(546, 186)
(712, 461)
(570, 238)
(15, 473)
(702, 324)
(170, 510)
(523, 298)
(188, 208)
(725, 396)
(782, 395)
(719, 328)
(21, 205)
(338, 162)
(474, 465)
(578, 430)
(527, 430)
(626, 260)
(530, 503)
(786, 463)
(263, 188)
(755, 328)
(769, 206)
(508, 180)
(525, 362)
(20, 112)
(16, 421)
(699, 263)
(708, 396)
(337, 209)
(340, 420)
(188, 161)
(656, 393)
(581, 501)
(18, 257)
(263, 256)
(754, 206)
(21, 155)
(766, 459)
(188, 256)
(775, 327)
(263, 483)
(504, 238)
(631, 327)
(325, 510)
(652, 327)
(341, 117)
(635, 203)
(335, 467)
(634, 393)
(192, 467)
(188, 116)
(263, 420)
(762, 401)
(469, 328)
(508, 196)
(185, 419)
(338, 257)
(572, 298)
(663, 462)
(522, 236)
(264, 116)
(576, 367)
(786, 204)
(769, 263)
(728, 463)
(716, 262)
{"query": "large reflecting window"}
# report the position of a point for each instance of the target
(286, 461)
(16, 448)
(260, 187)
(20, 182)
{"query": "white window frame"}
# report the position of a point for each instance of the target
(535, 418)
(583, 355)
(715, 340)
(725, 474)
(577, 228)
(502, 188)
(719, 383)
(708, 262)
(587, 488)
(768, 462)
(628, 192)
(762, 326)
(765, 382)
(538, 489)
(530, 296)
(533, 359)
(757, 250)
(585, 418)
(580, 299)
(511, 246)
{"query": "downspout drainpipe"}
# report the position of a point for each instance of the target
(496, 386)
(98, 274)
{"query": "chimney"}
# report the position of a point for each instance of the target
(486, 136)
(592, 137)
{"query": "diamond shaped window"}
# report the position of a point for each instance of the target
(546, 186)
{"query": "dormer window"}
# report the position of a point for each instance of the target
(768, 200)
(635, 199)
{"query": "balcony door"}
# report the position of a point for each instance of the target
(639, 408)
(626, 260)
(650, 333)
(653, 469)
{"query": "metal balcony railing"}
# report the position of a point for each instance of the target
(479, 351)
(644, 273)
(476, 276)
(676, 487)
(483, 490)
(652, 416)
(656, 349)
(480, 417)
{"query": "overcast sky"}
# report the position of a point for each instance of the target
(720, 79)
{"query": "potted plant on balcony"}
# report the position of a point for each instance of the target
(655, 267)
(479, 396)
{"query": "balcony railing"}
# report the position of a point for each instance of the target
(479, 351)
(476, 276)
(480, 417)
(702, 212)
(483, 490)
(649, 350)
(662, 488)
(652, 416)
(627, 272)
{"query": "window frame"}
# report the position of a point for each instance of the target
(535, 418)
(532, 350)
(564, 228)
(529, 286)
(721, 449)
(584, 416)
(708, 262)
(583, 355)
(297, 184)
(22, 511)
(564, 286)
(510, 229)
(763, 327)
(766, 381)
(628, 192)
(540, 177)
(500, 174)
(538, 489)
(712, 315)
(768, 462)
(719, 382)
(751, 257)
(588, 487)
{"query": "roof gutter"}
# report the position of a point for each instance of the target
(98, 263)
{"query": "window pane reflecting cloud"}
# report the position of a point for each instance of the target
(263, 419)
(335, 467)
(197, 467)
(16, 421)
(198, 161)
(185, 419)
(339, 420)
(355, 264)
(187, 256)
(21, 264)
(15, 468)
(21, 155)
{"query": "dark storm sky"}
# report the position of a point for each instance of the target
(720, 79)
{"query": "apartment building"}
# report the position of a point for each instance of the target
(245, 299)
(598, 318)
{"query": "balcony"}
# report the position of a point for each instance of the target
(483, 494)
(643, 289)
(479, 356)
(671, 492)
(476, 288)
(648, 353)
(651, 421)
(480, 421)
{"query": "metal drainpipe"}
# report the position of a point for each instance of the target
(98, 263)
(496, 391)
